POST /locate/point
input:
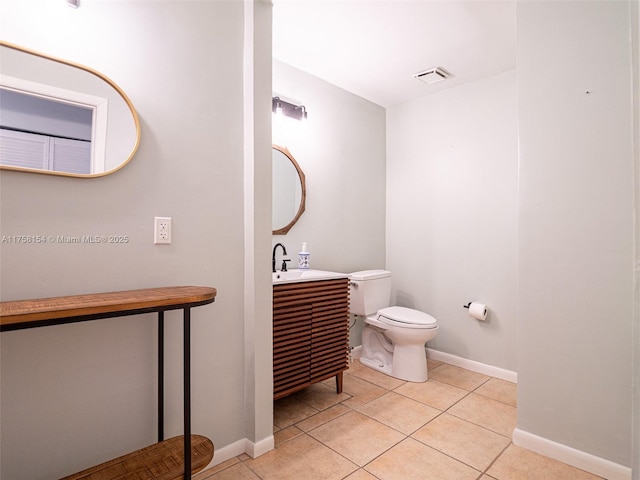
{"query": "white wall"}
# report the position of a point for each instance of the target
(76, 395)
(258, 352)
(635, 29)
(452, 165)
(342, 154)
(576, 225)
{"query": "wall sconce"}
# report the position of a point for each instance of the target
(73, 3)
(280, 107)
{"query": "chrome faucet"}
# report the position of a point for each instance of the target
(284, 260)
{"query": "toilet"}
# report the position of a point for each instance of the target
(393, 339)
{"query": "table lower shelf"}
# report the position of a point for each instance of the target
(160, 461)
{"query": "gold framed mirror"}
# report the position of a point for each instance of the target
(289, 190)
(61, 118)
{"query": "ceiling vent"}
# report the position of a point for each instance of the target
(433, 75)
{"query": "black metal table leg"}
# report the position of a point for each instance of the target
(187, 393)
(160, 376)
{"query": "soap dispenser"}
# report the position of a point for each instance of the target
(303, 258)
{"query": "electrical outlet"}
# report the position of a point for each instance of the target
(162, 230)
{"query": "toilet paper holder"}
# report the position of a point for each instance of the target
(477, 310)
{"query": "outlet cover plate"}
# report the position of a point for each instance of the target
(162, 231)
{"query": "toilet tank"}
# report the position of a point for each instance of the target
(369, 291)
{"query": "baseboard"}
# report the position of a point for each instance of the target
(510, 376)
(253, 449)
(571, 456)
(472, 365)
(356, 352)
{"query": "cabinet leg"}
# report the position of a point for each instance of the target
(339, 382)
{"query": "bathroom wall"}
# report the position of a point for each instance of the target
(635, 29)
(76, 395)
(576, 230)
(452, 166)
(342, 153)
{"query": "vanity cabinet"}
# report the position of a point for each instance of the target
(310, 334)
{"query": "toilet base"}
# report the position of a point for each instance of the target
(407, 362)
(376, 365)
(387, 369)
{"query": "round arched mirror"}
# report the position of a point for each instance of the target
(289, 191)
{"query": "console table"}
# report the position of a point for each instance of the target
(23, 314)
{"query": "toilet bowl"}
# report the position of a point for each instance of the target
(393, 339)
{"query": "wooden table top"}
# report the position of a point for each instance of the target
(162, 461)
(20, 314)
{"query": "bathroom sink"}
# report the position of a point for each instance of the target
(296, 275)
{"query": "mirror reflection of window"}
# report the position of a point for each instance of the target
(43, 133)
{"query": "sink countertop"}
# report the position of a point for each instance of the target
(297, 275)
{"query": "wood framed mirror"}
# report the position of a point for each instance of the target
(62, 118)
(289, 190)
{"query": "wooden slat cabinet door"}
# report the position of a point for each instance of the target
(310, 334)
(291, 348)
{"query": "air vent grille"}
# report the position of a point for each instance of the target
(433, 75)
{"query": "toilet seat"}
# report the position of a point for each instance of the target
(406, 318)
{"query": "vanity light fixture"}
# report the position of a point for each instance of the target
(73, 3)
(280, 107)
(276, 106)
(303, 113)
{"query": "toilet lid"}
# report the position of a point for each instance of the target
(407, 316)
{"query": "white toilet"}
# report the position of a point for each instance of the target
(393, 339)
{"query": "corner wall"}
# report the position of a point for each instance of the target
(576, 230)
(258, 299)
(635, 29)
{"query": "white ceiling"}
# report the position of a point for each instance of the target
(373, 47)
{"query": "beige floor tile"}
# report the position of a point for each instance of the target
(491, 414)
(501, 390)
(413, 460)
(357, 437)
(289, 410)
(320, 396)
(360, 390)
(286, 434)
(373, 376)
(433, 393)
(361, 475)
(431, 364)
(301, 458)
(399, 412)
(322, 417)
(464, 441)
(206, 474)
(518, 463)
(458, 377)
(235, 472)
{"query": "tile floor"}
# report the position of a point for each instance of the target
(455, 426)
